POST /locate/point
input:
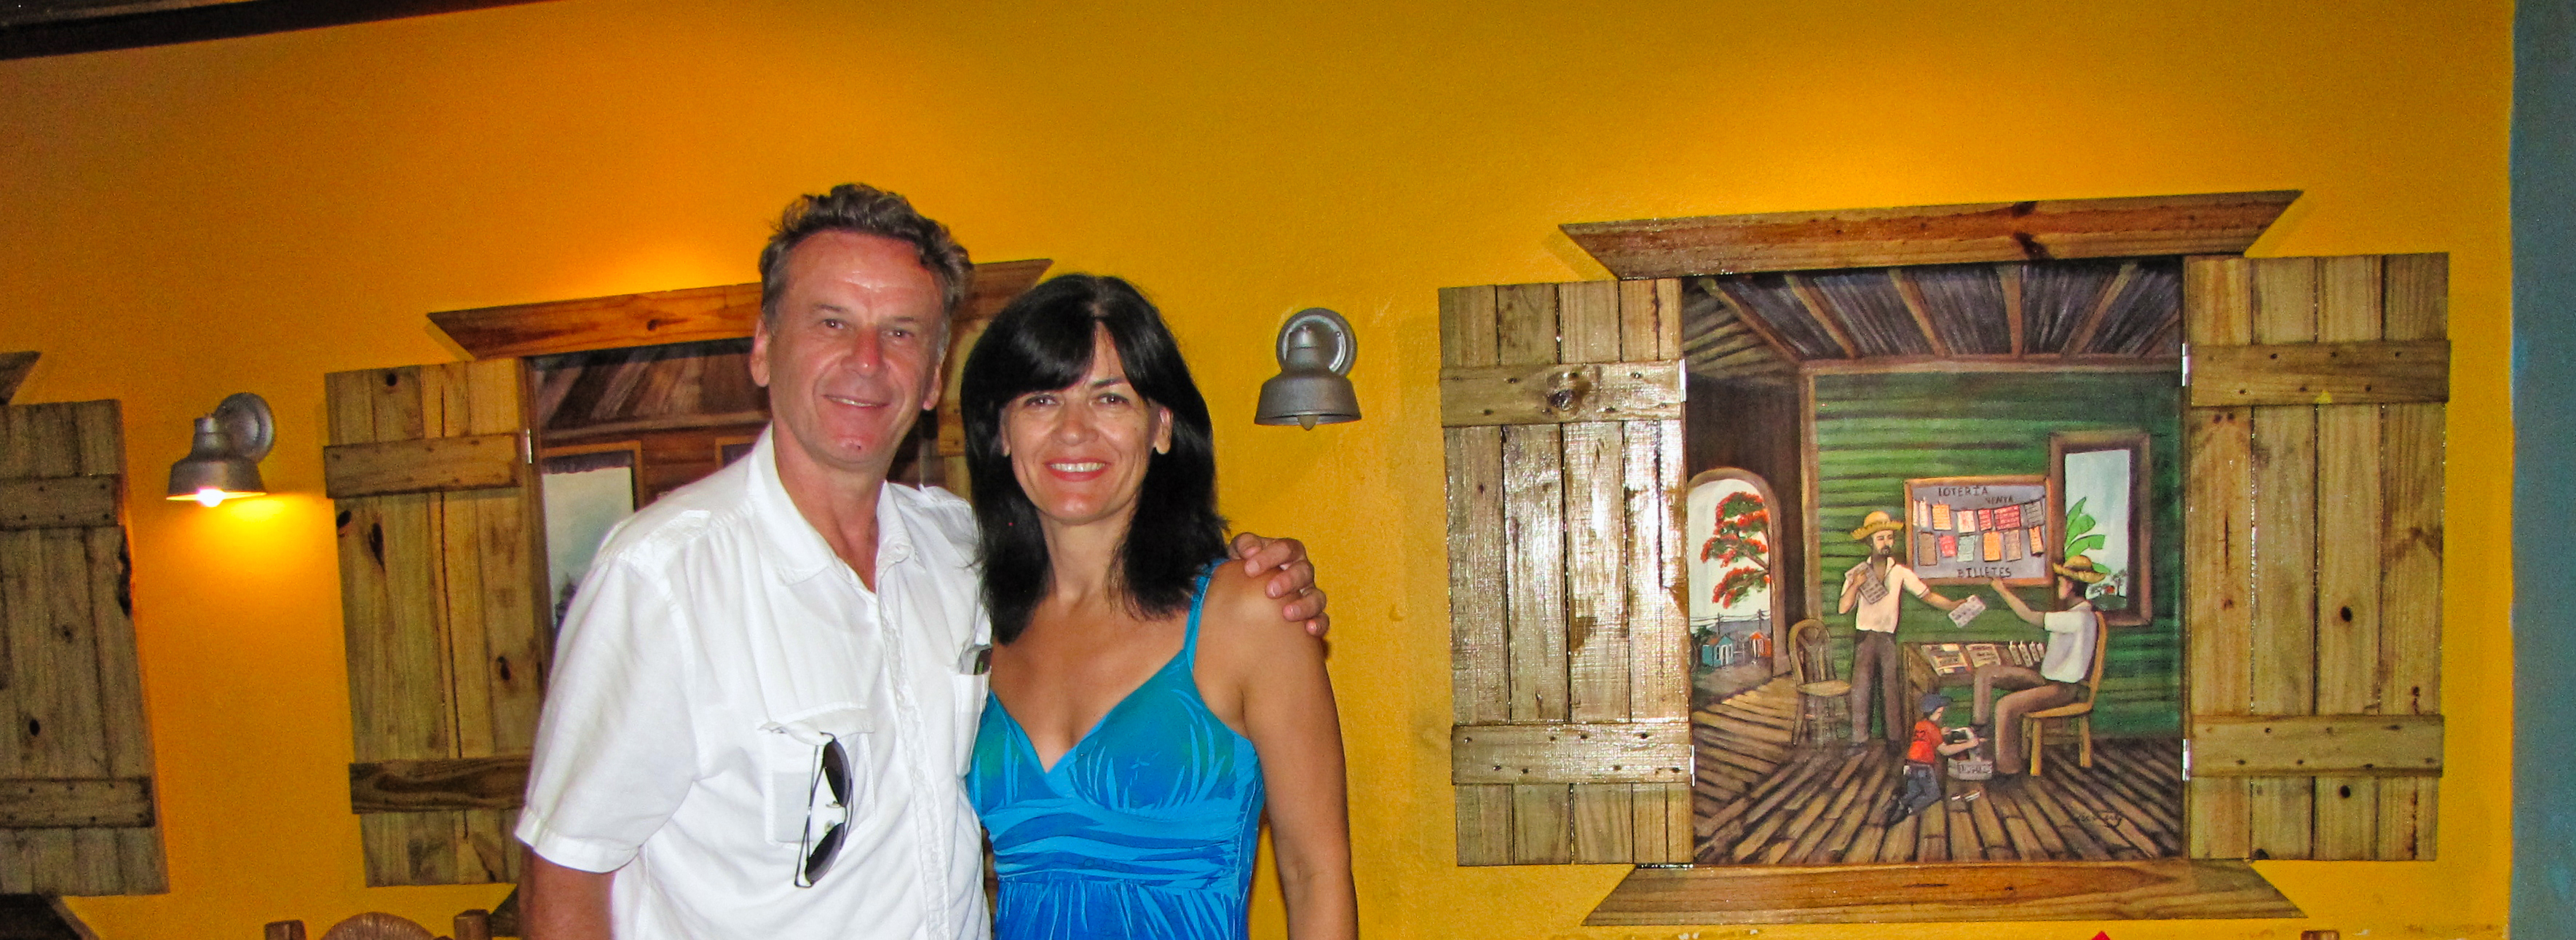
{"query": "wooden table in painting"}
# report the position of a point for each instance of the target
(1951, 668)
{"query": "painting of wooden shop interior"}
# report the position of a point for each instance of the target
(1926, 535)
(1960, 439)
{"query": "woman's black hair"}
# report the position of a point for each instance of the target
(1043, 342)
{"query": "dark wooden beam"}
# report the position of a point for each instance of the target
(1816, 306)
(14, 367)
(404, 786)
(1752, 321)
(1912, 294)
(39, 917)
(2011, 274)
(2082, 341)
(33, 28)
(2209, 223)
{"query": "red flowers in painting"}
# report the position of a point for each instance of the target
(1740, 542)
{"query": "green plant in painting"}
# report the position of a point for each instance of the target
(1743, 524)
(2081, 538)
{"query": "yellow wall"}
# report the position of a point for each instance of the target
(184, 222)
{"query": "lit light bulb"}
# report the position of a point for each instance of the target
(210, 497)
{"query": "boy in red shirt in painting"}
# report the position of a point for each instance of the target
(1922, 786)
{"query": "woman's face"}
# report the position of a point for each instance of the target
(1079, 452)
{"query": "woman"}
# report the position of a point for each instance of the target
(1144, 696)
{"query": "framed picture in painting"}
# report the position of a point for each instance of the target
(2099, 492)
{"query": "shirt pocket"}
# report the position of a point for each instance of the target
(795, 792)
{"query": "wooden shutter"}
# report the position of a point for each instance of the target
(1561, 405)
(76, 800)
(442, 574)
(2314, 540)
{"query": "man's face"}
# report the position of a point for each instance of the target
(1882, 544)
(854, 352)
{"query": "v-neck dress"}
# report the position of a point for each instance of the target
(1146, 828)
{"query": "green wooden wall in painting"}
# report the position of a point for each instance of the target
(1875, 431)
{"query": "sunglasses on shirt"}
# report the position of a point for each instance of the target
(832, 770)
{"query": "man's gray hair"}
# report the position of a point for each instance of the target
(861, 209)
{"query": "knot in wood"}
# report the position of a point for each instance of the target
(1567, 388)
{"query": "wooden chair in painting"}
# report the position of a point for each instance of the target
(2035, 724)
(1821, 697)
(471, 925)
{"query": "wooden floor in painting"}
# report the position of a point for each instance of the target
(1763, 801)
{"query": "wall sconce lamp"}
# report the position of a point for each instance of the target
(1315, 354)
(224, 462)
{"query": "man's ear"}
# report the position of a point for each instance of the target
(760, 350)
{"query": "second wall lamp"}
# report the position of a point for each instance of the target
(1313, 386)
(223, 461)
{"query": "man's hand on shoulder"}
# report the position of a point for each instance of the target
(1292, 578)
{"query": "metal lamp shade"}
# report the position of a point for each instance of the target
(1315, 353)
(223, 461)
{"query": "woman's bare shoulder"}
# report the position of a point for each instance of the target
(1240, 616)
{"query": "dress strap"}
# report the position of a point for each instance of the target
(1198, 602)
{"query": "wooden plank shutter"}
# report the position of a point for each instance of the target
(442, 574)
(2314, 536)
(76, 798)
(1561, 406)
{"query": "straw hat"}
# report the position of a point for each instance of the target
(2080, 568)
(1876, 522)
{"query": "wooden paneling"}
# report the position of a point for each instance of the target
(1614, 391)
(425, 465)
(59, 502)
(2350, 745)
(78, 748)
(1566, 643)
(2323, 373)
(2006, 891)
(444, 607)
(100, 802)
(2214, 223)
(398, 786)
(2315, 543)
(1626, 752)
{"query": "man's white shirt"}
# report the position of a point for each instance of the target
(716, 644)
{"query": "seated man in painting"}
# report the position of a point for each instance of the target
(2062, 671)
(1874, 586)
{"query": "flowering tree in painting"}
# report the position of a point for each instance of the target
(1740, 543)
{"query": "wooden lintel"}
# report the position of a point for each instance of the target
(2082, 338)
(14, 367)
(59, 502)
(690, 315)
(1640, 752)
(1993, 364)
(2211, 223)
(1560, 393)
(2381, 372)
(407, 786)
(2169, 889)
(1921, 309)
(1817, 307)
(427, 465)
(2316, 746)
(75, 803)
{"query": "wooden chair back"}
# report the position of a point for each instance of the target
(1810, 653)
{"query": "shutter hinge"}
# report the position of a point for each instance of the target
(2186, 760)
(2186, 365)
(527, 445)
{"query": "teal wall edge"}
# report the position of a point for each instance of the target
(2544, 484)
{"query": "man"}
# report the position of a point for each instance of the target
(769, 683)
(1873, 586)
(2062, 671)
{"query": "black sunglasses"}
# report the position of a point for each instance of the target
(834, 771)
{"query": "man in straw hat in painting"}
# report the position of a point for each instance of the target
(1873, 586)
(2059, 680)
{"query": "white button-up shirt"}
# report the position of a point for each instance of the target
(716, 644)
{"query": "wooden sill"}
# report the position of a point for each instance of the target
(2169, 889)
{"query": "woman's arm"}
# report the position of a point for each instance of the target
(1283, 700)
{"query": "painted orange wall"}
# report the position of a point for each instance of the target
(184, 222)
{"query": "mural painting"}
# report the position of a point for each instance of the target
(1947, 486)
